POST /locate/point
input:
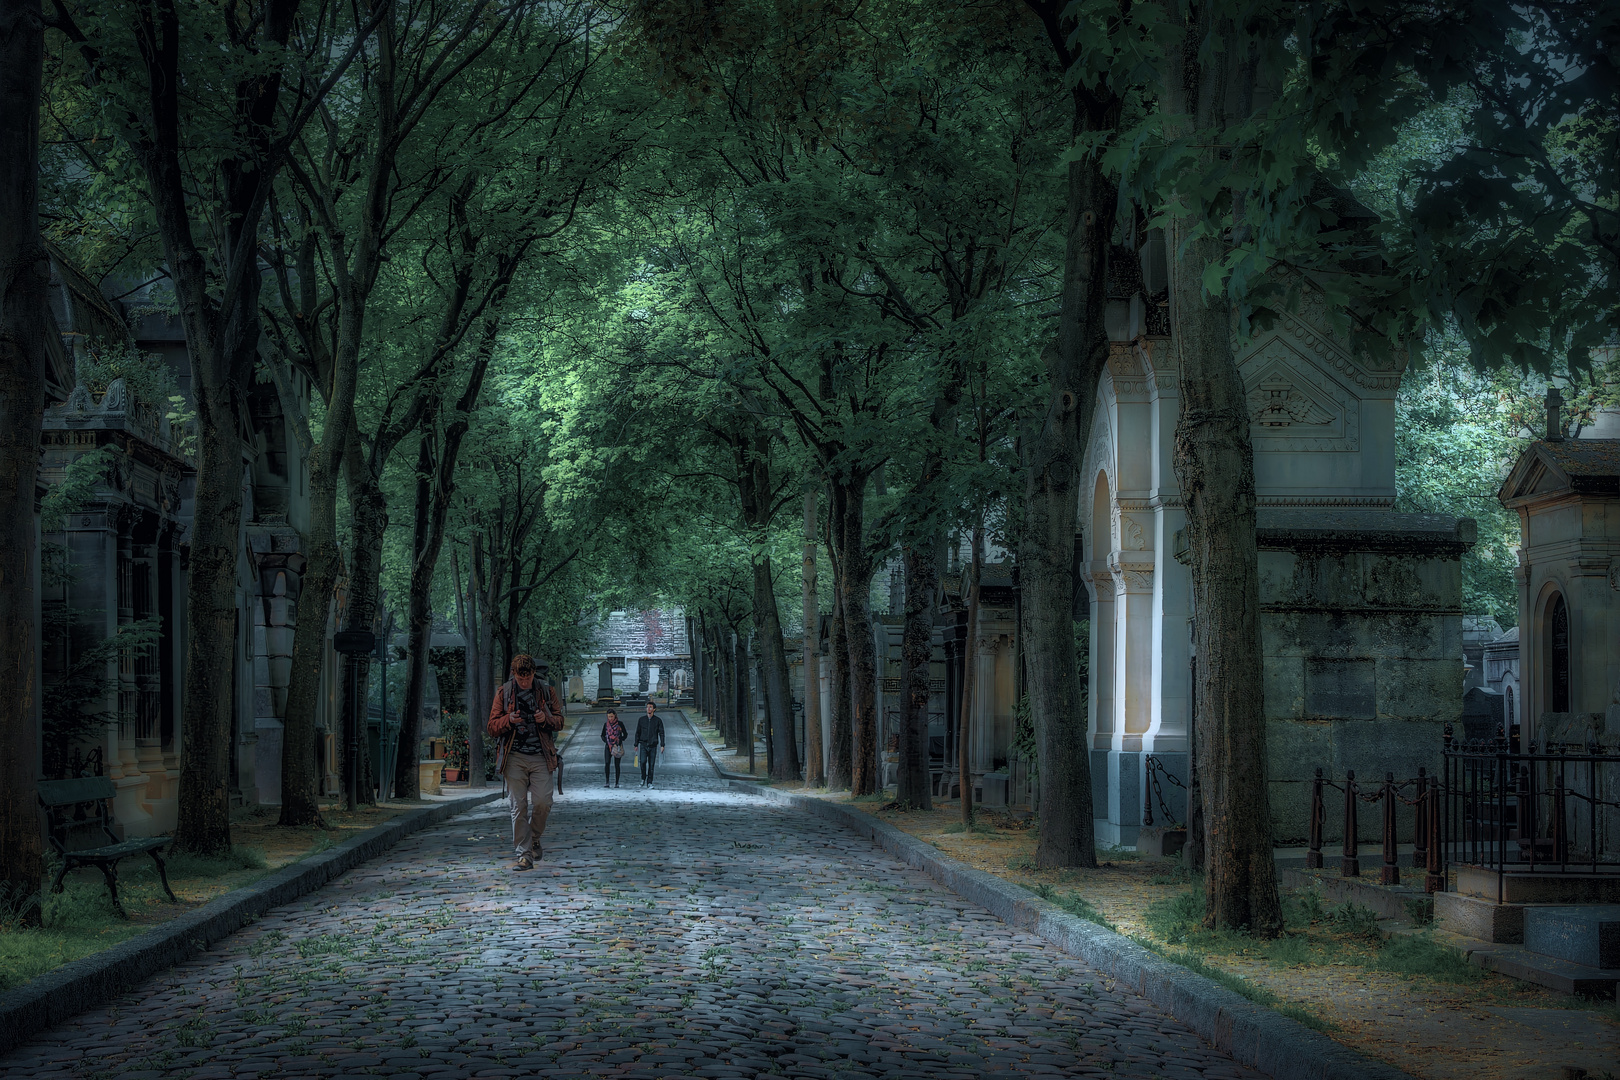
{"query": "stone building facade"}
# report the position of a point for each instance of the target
(1567, 495)
(634, 652)
(1361, 606)
(126, 550)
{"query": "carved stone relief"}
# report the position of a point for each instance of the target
(1295, 406)
(1132, 581)
(1131, 537)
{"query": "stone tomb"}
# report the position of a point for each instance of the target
(1362, 607)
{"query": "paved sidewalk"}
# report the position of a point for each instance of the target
(682, 931)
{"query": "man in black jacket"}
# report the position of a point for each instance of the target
(649, 740)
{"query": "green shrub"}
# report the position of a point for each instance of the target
(1174, 917)
(1305, 908)
(1356, 919)
(1420, 909)
(1420, 954)
(1288, 949)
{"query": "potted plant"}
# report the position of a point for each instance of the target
(455, 749)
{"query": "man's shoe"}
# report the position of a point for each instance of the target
(523, 863)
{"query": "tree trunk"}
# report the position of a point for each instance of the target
(702, 669)
(693, 651)
(368, 522)
(840, 764)
(1214, 464)
(1046, 543)
(418, 620)
(724, 698)
(917, 652)
(1051, 461)
(483, 646)
(24, 280)
(770, 721)
(855, 580)
(203, 823)
(815, 770)
(773, 662)
(745, 707)
(300, 802)
(970, 663)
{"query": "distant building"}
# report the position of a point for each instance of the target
(636, 651)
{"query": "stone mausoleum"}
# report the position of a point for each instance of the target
(1567, 495)
(1361, 606)
(125, 548)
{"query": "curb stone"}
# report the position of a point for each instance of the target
(1252, 1034)
(94, 980)
(713, 764)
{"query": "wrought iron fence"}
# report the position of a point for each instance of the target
(1551, 807)
(1419, 792)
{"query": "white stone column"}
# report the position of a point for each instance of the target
(1133, 648)
(1103, 618)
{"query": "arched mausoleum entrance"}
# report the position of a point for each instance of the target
(1558, 654)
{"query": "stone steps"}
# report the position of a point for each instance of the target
(1519, 962)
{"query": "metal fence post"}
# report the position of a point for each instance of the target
(1351, 864)
(1313, 857)
(1420, 824)
(1391, 874)
(1434, 880)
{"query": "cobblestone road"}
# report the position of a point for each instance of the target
(683, 931)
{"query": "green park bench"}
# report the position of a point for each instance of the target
(59, 798)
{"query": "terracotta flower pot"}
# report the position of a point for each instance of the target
(451, 776)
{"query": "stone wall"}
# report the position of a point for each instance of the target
(1362, 631)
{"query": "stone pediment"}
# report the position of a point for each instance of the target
(1293, 404)
(1578, 466)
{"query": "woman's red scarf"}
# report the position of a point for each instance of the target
(615, 731)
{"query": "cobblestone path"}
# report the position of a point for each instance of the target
(682, 931)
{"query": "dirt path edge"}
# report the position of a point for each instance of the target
(96, 979)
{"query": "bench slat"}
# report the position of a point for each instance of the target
(68, 792)
(120, 851)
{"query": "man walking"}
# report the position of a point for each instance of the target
(649, 740)
(525, 713)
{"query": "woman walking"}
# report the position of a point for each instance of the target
(613, 736)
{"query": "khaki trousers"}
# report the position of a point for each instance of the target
(528, 787)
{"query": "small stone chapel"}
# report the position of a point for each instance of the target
(1361, 606)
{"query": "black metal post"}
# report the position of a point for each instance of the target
(1313, 857)
(1420, 824)
(1391, 874)
(1434, 879)
(1350, 866)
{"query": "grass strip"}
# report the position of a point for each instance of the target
(81, 921)
(1195, 962)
